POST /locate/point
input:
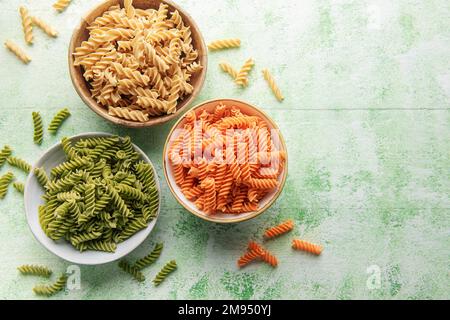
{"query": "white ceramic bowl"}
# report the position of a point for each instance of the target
(63, 249)
(264, 203)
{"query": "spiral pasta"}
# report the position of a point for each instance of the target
(50, 290)
(150, 258)
(224, 44)
(38, 128)
(35, 270)
(18, 52)
(100, 196)
(5, 180)
(19, 186)
(139, 63)
(27, 24)
(19, 163)
(279, 229)
(228, 68)
(265, 255)
(303, 245)
(5, 152)
(273, 86)
(58, 119)
(218, 160)
(133, 271)
(241, 78)
(61, 5)
(49, 30)
(170, 267)
(248, 257)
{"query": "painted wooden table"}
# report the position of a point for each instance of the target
(367, 123)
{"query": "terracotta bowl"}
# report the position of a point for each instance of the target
(264, 203)
(81, 34)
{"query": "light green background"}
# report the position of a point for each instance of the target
(366, 120)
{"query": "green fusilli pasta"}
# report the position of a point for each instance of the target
(19, 186)
(41, 176)
(125, 266)
(150, 258)
(165, 271)
(96, 199)
(49, 290)
(35, 270)
(38, 128)
(4, 154)
(19, 163)
(5, 180)
(57, 120)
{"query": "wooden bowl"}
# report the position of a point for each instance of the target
(264, 204)
(81, 34)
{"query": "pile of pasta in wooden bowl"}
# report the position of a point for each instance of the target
(137, 63)
(225, 161)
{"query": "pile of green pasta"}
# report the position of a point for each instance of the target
(102, 195)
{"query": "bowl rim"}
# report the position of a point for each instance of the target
(113, 256)
(153, 121)
(211, 218)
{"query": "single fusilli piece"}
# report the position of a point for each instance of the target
(279, 229)
(19, 186)
(38, 128)
(150, 258)
(41, 176)
(4, 154)
(249, 256)
(14, 48)
(303, 245)
(164, 272)
(241, 78)
(19, 163)
(35, 270)
(224, 44)
(27, 24)
(58, 119)
(125, 113)
(125, 266)
(44, 26)
(265, 255)
(271, 81)
(61, 5)
(129, 9)
(49, 290)
(5, 180)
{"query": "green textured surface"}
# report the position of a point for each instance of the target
(367, 124)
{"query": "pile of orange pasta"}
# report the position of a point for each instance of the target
(225, 161)
(256, 252)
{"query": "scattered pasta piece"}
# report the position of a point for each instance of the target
(38, 128)
(249, 256)
(225, 161)
(4, 154)
(58, 119)
(50, 290)
(27, 24)
(170, 267)
(226, 67)
(61, 5)
(19, 186)
(279, 229)
(5, 180)
(35, 270)
(150, 258)
(19, 53)
(49, 30)
(303, 245)
(271, 81)
(265, 255)
(19, 163)
(224, 44)
(241, 78)
(133, 271)
(140, 65)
